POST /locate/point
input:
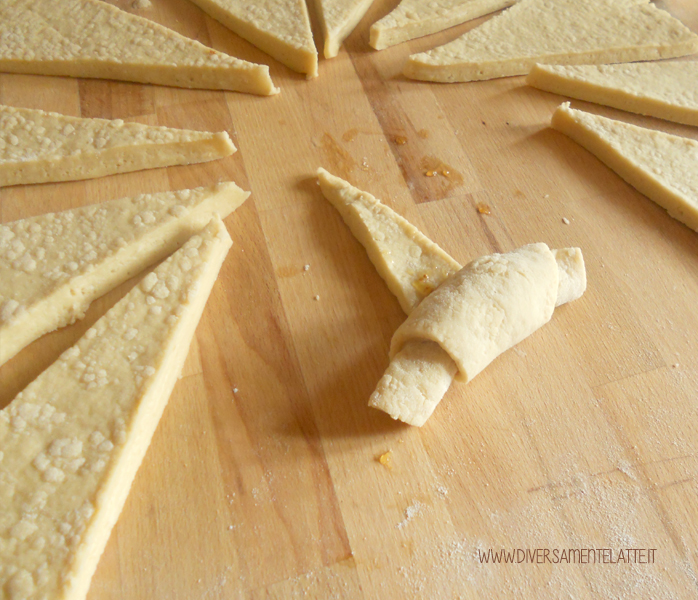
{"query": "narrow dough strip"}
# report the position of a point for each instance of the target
(556, 32)
(661, 166)
(408, 261)
(53, 266)
(72, 441)
(38, 146)
(92, 38)
(416, 18)
(666, 90)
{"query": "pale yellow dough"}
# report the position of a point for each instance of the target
(54, 265)
(571, 275)
(474, 316)
(281, 28)
(338, 19)
(38, 146)
(415, 381)
(410, 263)
(486, 308)
(667, 89)
(661, 166)
(527, 285)
(72, 441)
(556, 32)
(416, 18)
(91, 38)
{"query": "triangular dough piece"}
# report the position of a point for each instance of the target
(412, 266)
(416, 18)
(667, 90)
(338, 19)
(281, 28)
(663, 167)
(556, 32)
(38, 146)
(421, 369)
(408, 261)
(54, 265)
(72, 441)
(91, 38)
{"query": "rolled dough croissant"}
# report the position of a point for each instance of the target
(490, 305)
(460, 319)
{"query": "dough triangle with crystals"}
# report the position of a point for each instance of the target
(281, 28)
(666, 89)
(559, 32)
(443, 337)
(72, 440)
(416, 18)
(38, 146)
(54, 265)
(338, 19)
(408, 261)
(91, 38)
(661, 166)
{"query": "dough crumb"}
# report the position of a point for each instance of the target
(316, 297)
(565, 220)
(386, 459)
(235, 390)
(306, 267)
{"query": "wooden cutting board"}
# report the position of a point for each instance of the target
(262, 480)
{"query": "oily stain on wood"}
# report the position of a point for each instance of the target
(341, 162)
(350, 135)
(442, 179)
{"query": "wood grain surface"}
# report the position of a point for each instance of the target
(262, 480)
